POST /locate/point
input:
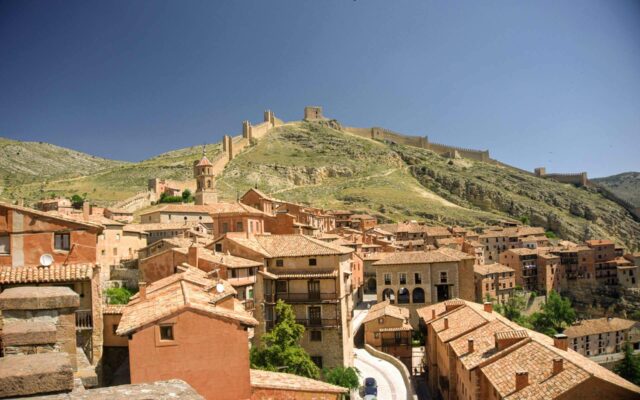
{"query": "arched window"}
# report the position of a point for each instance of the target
(388, 294)
(418, 295)
(371, 285)
(403, 296)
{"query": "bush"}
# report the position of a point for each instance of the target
(551, 235)
(169, 199)
(119, 295)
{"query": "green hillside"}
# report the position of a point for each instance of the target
(625, 185)
(315, 164)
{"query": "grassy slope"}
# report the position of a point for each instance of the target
(625, 185)
(118, 182)
(314, 164)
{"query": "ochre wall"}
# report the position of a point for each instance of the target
(279, 394)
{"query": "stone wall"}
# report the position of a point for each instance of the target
(406, 375)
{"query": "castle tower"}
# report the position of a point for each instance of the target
(205, 190)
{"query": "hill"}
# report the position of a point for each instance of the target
(625, 185)
(310, 162)
(103, 180)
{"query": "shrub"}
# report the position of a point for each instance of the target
(119, 295)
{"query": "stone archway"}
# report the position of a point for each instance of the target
(388, 294)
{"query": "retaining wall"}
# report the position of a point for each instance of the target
(406, 375)
(136, 202)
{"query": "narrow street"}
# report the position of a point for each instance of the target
(390, 383)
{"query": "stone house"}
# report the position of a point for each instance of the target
(166, 230)
(314, 277)
(26, 234)
(170, 325)
(60, 205)
(604, 259)
(119, 214)
(475, 353)
(258, 200)
(267, 385)
(474, 248)
(494, 281)
(535, 269)
(416, 278)
(599, 336)
(387, 328)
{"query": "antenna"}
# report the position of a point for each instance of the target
(46, 260)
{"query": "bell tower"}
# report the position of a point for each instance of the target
(205, 189)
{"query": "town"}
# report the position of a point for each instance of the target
(262, 298)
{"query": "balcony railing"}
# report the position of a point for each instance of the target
(317, 322)
(84, 320)
(395, 342)
(249, 305)
(306, 297)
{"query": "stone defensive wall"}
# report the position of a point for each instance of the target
(136, 202)
(387, 135)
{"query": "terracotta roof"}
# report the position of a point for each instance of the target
(261, 194)
(227, 260)
(495, 268)
(460, 320)
(54, 273)
(442, 254)
(523, 251)
(599, 242)
(204, 161)
(311, 275)
(385, 308)
(484, 343)
(113, 309)
(282, 381)
(165, 226)
(214, 208)
(405, 327)
(425, 313)
(436, 231)
(187, 290)
(49, 215)
(403, 227)
(273, 246)
(598, 325)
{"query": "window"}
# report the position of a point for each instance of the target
(166, 332)
(280, 263)
(115, 251)
(117, 236)
(417, 277)
(225, 227)
(239, 226)
(62, 241)
(114, 328)
(387, 279)
(218, 247)
(381, 321)
(313, 262)
(443, 277)
(317, 360)
(234, 273)
(281, 286)
(316, 336)
(403, 278)
(376, 335)
(103, 252)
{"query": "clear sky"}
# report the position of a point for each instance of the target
(538, 83)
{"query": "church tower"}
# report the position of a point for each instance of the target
(205, 190)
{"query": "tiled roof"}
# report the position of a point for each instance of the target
(227, 260)
(484, 344)
(402, 227)
(214, 208)
(405, 327)
(113, 309)
(599, 242)
(495, 268)
(187, 290)
(50, 215)
(291, 246)
(460, 320)
(443, 254)
(598, 325)
(436, 231)
(53, 273)
(204, 161)
(523, 251)
(261, 194)
(385, 308)
(311, 275)
(425, 313)
(282, 381)
(166, 226)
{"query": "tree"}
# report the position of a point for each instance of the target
(629, 367)
(186, 196)
(558, 311)
(525, 220)
(119, 295)
(77, 201)
(346, 377)
(280, 349)
(513, 307)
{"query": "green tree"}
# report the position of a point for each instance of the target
(629, 367)
(280, 349)
(558, 311)
(77, 201)
(525, 220)
(513, 307)
(119, 295)
(347, 377)
(186, 196)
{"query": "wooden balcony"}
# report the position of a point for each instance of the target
(249, 305)
(395, 342)
(307, 297)
(317, 322)
(84, 320)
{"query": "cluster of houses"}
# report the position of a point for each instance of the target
(214, 269)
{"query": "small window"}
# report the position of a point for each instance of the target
(403, 278)
(313, 262)
(417, 278)
(239, 226)
(280, 263)
(316, 336)
(166, 332)
(218, 247)
(387, 279)
(117, 236)
(62, 241)
(317, 360)
(281, 286)
(376, 335)
(115, 251)
(225, 227)
(381, 321)
(234, 273)
(103, 252)
(443, 277)
(114, 328)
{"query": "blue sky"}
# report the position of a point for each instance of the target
(538, 83)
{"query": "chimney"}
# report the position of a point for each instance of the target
(86, 210)
(488, 306)
(470, 343)
(433, 314)
(446, 323)
(558, 365)
(142, 286)
(193, 255)
(522, 380)
(561, 341)
(20, 202)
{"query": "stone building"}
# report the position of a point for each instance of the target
(475, 353)
(536, 269)
(387, 328)
(205, 183)
(166, 230)
(604, 260)
(172, 325)
(314, 277)
(27, 234)
(595, 337)
(494, 281)
(415, 278)
(498, 239)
